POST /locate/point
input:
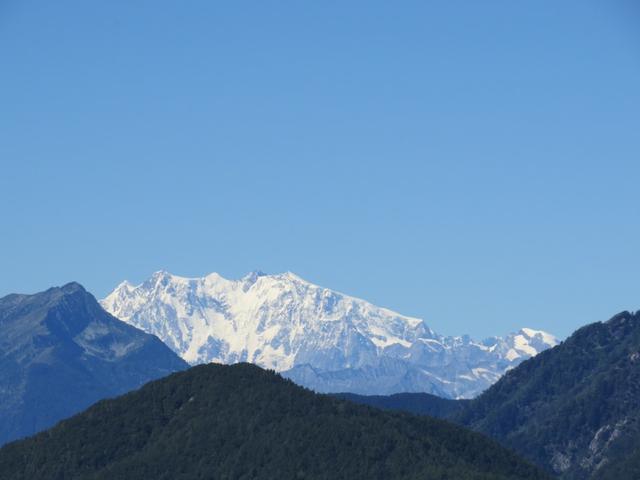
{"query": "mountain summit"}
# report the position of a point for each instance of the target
(318, 337)
(60, 352)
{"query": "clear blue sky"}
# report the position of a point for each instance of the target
(476, 164)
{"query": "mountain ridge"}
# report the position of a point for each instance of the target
(240, 421)
(574, 409)
(60, 352)
(576, 421)
(323, 339)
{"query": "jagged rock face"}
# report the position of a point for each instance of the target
(60, 352)
(320, 338)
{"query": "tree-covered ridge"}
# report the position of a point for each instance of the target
(625, 467)
(416, 403)
(242, 422)
(574, 409)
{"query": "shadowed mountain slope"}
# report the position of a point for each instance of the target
(60, 352)
(239, 421)
(572, 409)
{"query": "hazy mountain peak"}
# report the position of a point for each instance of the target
(161, 274)
(56, 292)
(60, 352)
(126, 284)
(72, 287)
(253, 276)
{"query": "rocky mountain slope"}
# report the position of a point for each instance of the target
(320, 338)
(60, 352)
(242, 422)
(573, 409)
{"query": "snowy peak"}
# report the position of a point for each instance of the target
(525, 343)
(283, 322)
(272, 320)
(540, 336)
(249, 279)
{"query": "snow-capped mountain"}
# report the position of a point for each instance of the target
(319, 338)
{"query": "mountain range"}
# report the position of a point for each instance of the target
(242, 422)
(320, 338)
(573, 409)
(60, 352)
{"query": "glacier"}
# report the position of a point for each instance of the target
(322, 339)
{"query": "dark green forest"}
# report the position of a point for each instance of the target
(242, 422)
(417, 403)
(574, 410)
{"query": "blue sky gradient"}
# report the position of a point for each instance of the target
(472, 163)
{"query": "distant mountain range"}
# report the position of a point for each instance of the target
(60, 352)
(320, 338)
(242, 422)
(573, 409)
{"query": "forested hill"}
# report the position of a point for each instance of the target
(417, 403)
(573, 409)
(240, 421)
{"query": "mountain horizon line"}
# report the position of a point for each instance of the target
(254, 274)
(324, 339)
